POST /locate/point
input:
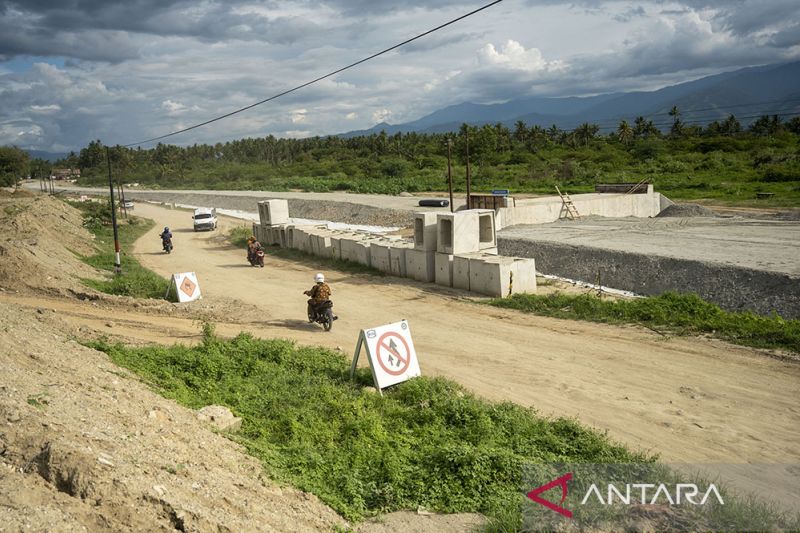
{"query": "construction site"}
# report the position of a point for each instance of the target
(687, 399)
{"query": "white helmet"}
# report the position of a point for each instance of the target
(319, 278)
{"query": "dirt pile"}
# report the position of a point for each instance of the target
(686, 210)
(83, 444)
(39, 239)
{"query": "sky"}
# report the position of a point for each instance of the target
(76, 70)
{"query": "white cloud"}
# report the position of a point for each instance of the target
(514, 56)
(351, 116)
(381, 115)
(46, 109)
(299, 116)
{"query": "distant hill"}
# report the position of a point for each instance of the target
(747, 93)
(47, 156)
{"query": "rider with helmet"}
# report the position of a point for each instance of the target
(166, 239)
(319, 293)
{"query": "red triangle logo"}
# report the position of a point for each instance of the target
(560, 482)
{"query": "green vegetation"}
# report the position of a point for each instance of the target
(135, 280)
(721, 162)
(14, 165)
(682, 314)
(427, 442)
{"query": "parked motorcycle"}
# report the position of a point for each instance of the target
(323, 314)
(167, 245)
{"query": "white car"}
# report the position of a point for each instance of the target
(205, 218)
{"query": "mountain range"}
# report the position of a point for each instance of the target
(746, 93)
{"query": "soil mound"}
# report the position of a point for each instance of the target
(86, 446)
(40, 240)
(686, 210)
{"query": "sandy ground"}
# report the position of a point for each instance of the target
(772, 245)
(690, 400)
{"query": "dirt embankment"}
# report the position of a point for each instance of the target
(35, 233)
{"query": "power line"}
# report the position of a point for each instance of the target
(306, 84)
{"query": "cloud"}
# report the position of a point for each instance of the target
(142, 68)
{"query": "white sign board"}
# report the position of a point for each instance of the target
(186, 286)
(391, 354)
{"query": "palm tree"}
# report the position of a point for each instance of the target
(624, 132)
(677, 123)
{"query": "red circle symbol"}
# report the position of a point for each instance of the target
(396, 363)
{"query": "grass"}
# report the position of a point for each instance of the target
(135, 280)
(426, 443)
(682, 314)
(238, 237)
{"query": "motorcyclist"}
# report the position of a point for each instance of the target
(166, 236)
(319, 293)
(251, 252)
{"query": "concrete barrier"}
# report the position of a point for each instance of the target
(461, 268)
(443, 263)
(355, 249)
(397, 258)
(502, 276)
(321, 244)
(379, 255)
(273, 212)
(420, 265)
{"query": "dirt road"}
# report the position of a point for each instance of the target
(691, 400)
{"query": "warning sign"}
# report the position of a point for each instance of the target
(391, 354)
(186, 286)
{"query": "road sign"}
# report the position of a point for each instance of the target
(391, 354)
(500, 192)
(186, 286)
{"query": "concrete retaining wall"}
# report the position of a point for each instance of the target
(731, 287)
(544, 210)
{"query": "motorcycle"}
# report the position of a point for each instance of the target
(323, 314)
(166, 245)
(256, 258)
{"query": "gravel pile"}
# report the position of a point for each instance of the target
(686, 210)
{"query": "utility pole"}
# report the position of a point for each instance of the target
(469, 180)
(449, 173)
(117, 264)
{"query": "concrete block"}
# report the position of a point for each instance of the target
(379, 255)
(420, 265)
(273, 212)
(425, 231)
(397, 258)
(355, 249)
(461, 268)
(458, 233)
(321, 244)
(444, 269)
(502, 276)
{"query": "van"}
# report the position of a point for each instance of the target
(205, 218)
